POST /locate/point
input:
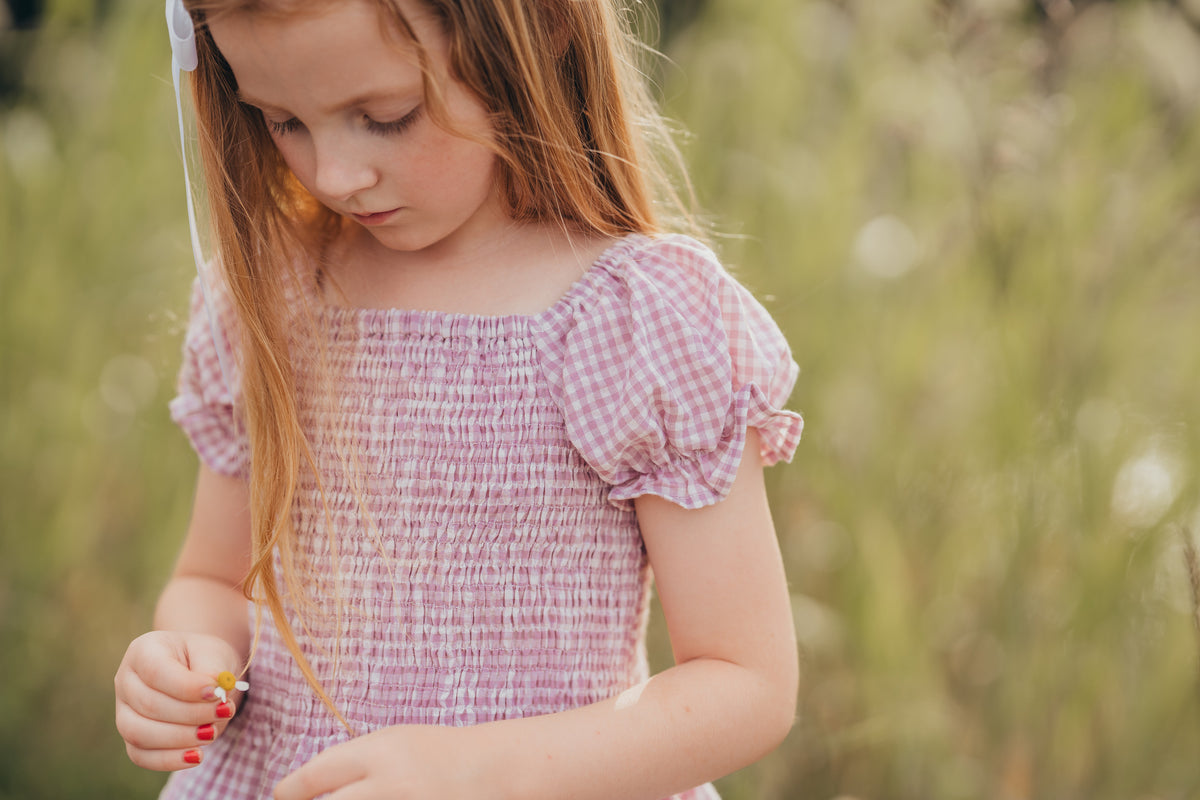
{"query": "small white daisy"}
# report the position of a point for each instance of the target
(227, 682)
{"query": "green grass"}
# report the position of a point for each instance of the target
(980, 234)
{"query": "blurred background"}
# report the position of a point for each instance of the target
(979, 224)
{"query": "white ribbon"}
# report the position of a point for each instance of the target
(183, 36)
(182, 32)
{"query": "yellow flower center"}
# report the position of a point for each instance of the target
(226, 680)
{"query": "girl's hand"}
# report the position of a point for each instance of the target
(405, 761)
(166, 707)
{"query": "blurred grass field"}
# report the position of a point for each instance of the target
(978, 225)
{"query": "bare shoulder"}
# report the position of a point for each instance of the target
(567, 253)
(541, 265)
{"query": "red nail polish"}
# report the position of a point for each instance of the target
(191, 757)
(206, 732)
(224, 710)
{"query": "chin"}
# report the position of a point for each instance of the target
(401, 241)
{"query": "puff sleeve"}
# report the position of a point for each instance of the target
(204, 406)
(661, 364)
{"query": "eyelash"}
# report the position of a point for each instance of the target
(285, 127)
(378, 128)
(395, 126)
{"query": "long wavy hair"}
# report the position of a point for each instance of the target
(578, 141)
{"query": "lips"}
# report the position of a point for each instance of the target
(376, 218)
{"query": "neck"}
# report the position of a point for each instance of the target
(523, 268)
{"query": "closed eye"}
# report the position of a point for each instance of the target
(390, 128)
(281, 128)
(395, 126)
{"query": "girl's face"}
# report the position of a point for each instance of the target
(345, 105)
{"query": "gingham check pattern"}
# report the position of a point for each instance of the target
(498, 457)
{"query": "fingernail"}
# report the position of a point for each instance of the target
(206, 732)
(209, 694)
(224, 710)
(191, 757)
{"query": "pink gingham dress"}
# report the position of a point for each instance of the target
(505, 575)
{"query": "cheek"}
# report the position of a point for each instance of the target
(471, 162)
(448, 163)
(472, 165)
(296, 154)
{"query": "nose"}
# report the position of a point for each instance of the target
(341, 168)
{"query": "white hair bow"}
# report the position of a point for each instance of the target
(183, 36)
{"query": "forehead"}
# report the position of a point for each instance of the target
(324, 53)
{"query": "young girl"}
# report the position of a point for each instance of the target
(455, 393)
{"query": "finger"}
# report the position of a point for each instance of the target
(225, 711)
(359, 790)
(328, 772)
(152, 704)
(149, 734)
(165, 760)
(164, 667)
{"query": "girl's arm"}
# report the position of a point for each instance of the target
(204, 594)
(729, 700)
(166, 709)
